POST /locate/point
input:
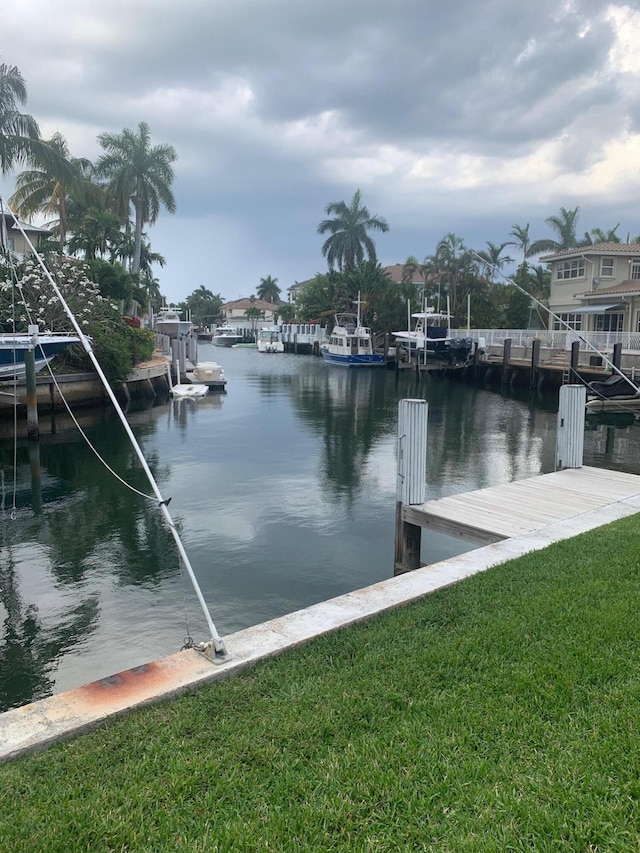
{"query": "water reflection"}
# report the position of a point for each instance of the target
(283, 488)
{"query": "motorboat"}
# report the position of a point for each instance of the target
(167, 322)
(350, 343)
(46, 347)
(614, 394)
(431, 335)
(208, 373)
(226, 336)
(270, 340)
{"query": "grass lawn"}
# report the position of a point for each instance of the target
(502, 714)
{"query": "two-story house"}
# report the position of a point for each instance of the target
(11, 237)
(596, 288)
(234, 313)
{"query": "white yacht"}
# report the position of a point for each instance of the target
(226, 336)
(167, 322)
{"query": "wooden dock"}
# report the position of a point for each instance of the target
(524, 506)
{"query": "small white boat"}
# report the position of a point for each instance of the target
(192, 390)
(270, 340)
(168, 322)
(226, 336)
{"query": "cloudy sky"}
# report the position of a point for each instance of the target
(449, 116)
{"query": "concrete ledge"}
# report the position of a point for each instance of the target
(35, 726)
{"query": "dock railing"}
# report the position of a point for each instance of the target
(554, 339)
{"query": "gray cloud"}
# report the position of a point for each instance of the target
(278, 106)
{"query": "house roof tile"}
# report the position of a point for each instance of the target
(630, 287)
(245, 303)
(595, 249)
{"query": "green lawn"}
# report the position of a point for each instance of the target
(502, 714)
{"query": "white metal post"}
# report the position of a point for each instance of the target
(412, 451)
(570, 430)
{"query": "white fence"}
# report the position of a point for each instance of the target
(602, 341)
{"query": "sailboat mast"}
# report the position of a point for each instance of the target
(217, 643)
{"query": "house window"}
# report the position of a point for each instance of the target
(574, 321)
(609, 322)
(607, 267)
(570, 269)
(635, 270)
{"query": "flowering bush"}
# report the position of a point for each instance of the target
(27, 297)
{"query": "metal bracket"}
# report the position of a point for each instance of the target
(215, 651)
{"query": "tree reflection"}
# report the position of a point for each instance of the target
(351, 411)
(29, 649)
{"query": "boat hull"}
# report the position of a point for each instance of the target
(13, 349)
(363, 360)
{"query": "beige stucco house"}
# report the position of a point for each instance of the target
(596, 288)
(234, 313)
(11, 237)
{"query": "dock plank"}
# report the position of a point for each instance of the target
(524, 506)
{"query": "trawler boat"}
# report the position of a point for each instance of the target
(431, 336)
(46, 347)
(270, 340)
(168, 322)
(350, 343)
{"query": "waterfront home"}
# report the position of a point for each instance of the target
(596, 288)
(12, 238)
(234, 313)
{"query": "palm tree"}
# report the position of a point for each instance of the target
(522, 240)
(268, 289)
(348, 240)
(493, 258)
(564, 225)
(138, 173)
(19, 132)
(49, 190)
(608, 236)
(98, 229)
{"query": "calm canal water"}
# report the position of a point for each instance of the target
(284, 492)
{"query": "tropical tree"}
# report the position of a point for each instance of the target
(19, 132)
(348, 229)
(564, 225)
(492, 255)
(205, 307)
(287, 312)
(95, 233)
(254, 314)
(48, 187)
(609, 236)
(522, 239)
(140, 174)
(268, 289)
(20, 138)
